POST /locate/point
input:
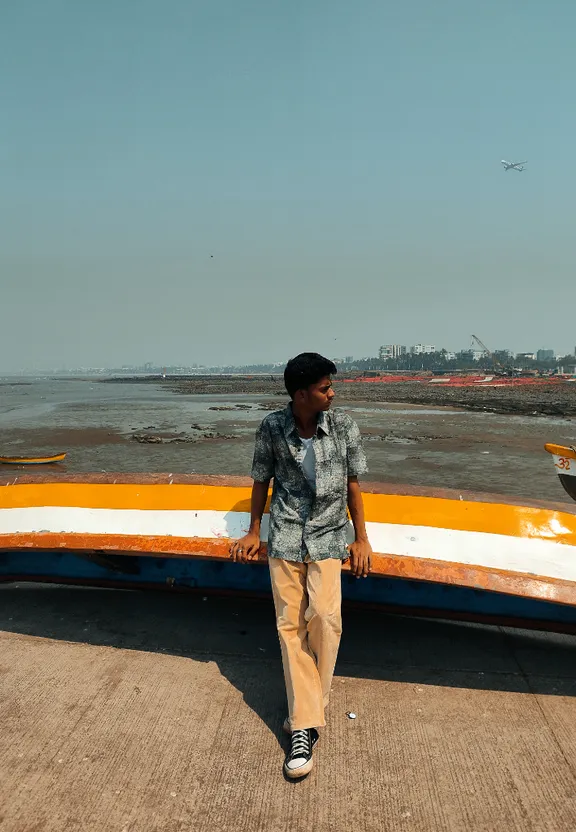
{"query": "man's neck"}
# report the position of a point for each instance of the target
(306, 422)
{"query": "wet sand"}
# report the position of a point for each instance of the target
(540, 399)
(211, 432)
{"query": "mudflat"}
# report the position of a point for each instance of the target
(531, 399)
(206, 426)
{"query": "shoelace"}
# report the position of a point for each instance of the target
(300, 744)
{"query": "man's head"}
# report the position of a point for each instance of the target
(308, 382)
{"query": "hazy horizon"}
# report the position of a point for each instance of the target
(229, 183)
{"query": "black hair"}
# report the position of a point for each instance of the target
(306, 369)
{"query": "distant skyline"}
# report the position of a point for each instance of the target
(152, 366)
(231, 183)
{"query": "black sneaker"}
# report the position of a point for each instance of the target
(299, 760)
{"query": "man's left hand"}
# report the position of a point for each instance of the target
(360, 558)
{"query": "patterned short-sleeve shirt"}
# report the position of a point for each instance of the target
(308, 521)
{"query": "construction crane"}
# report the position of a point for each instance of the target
(498, 366)
(485, 349)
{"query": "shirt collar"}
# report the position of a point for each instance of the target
(324, 422)
(290, 422)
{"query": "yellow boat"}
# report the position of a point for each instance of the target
(31, 460)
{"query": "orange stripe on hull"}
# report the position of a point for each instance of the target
(560, 450)
(406, 567)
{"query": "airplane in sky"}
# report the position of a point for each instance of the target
(513, 165)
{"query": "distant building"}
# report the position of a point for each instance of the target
(422, 349)
(526, 356)
(450, 356)
(391, 351)
(545, 355)
(473, 355)
(503, 355)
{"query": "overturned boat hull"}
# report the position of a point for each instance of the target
(394, 595)
(443, 553)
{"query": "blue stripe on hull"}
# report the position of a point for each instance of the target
(218, 575)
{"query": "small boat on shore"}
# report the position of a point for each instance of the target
(565, 463)
(437, 552)
(31, 460)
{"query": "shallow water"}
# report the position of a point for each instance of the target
(430, 447)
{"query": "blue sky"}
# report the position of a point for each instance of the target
(238, 181)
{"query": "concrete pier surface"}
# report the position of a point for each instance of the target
(157, 712)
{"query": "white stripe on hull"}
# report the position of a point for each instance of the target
(520, 555)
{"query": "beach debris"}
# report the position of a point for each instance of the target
(156, 439)
(395, 439)
(350, 714)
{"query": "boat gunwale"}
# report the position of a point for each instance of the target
(560, 450)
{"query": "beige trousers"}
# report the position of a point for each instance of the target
(308, 600)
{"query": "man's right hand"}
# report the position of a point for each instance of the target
(245, 549)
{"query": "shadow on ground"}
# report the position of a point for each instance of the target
(238, 634)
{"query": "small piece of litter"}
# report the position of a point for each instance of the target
(172, 794)
(350, 715)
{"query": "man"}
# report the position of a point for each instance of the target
(315, 457)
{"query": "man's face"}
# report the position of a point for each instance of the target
(319, 396)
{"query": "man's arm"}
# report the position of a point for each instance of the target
(248, 546)
(360, 550)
